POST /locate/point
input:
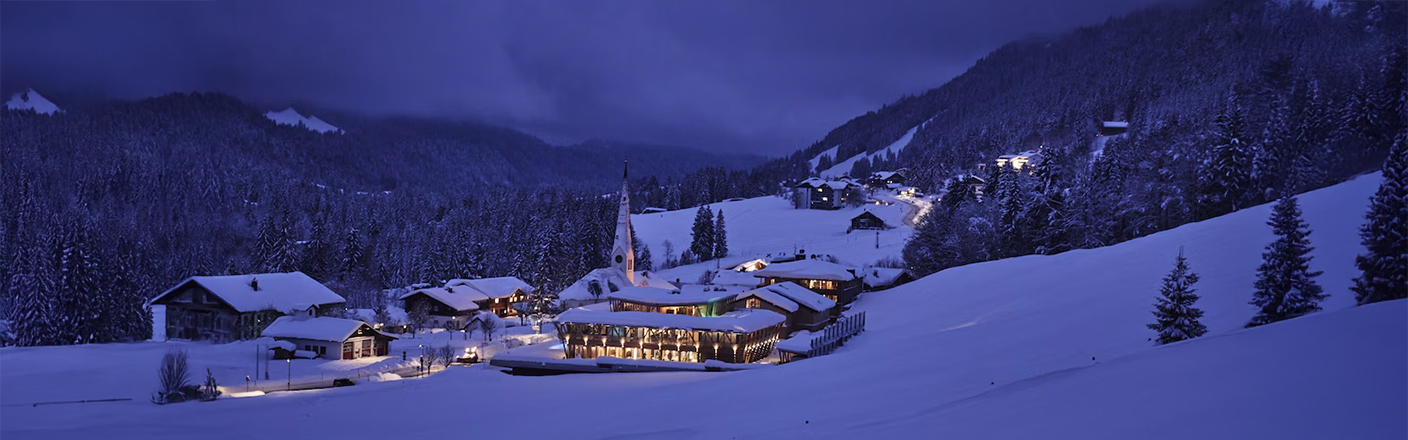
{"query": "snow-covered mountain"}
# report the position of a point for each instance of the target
(1028, 347)
(30, 100)
(289, 116)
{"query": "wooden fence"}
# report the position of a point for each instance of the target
(836, 334)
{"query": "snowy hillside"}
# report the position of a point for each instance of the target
(770, 226)
(816, 160)
(289, 116)
(30, 100)
(1030, 347)
(840, 169)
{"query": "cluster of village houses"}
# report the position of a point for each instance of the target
(740, 316)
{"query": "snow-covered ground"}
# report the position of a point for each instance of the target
(770, 226)
(289, 116)
(842, 168)
(30, 100)
(1029, 347)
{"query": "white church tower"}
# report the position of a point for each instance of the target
(623, 255)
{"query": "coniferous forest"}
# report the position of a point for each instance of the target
(1229, 103)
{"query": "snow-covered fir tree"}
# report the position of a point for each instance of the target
(720, 236)
(702, 233)
(80, 298)
(1285, 285)
(643, 260)
(1176, 317)
(1385, 233)
(1227, 173)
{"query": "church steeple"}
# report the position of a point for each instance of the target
(623, 255)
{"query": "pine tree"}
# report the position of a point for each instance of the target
(1176, 317)
(1285, 285)
(643, 261)
(1385, 234)
(720, 236)
(1011, 227)
(702, 245)
(353, 253)
(30, 288)
(1227, 174)
(80, 301)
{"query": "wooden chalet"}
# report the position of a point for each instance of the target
(318, 336)
(803, 309)
(885, 179)
(867, 221)
(499, 293)
(237, 307)
(831, 280)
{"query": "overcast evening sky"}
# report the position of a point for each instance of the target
(760, 76)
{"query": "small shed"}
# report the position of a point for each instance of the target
(344, 338)
(867, 220)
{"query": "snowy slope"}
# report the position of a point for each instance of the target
(840, 169)
(30, 100)
(1030, 347)
(289, 116)
(831, 152)
(764, 226)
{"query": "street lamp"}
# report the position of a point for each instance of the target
(289, 383)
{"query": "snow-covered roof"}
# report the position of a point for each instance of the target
(739, 321)
(1115, 124)
(882, 175)
(806, 270)
(771, 298)
(753, 264)
(882, 276)
(686, 295)
(800, 342)
(30, 100)
(316, 329)
(500, 287)
(283, 292)
(735, 278)
(605, 277)
(460, 298)
(800, 295)
(817, 183)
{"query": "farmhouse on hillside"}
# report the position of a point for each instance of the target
(236, 307)
(1020, 161)
(1111, 128)
(867, 221)
(459, 300)
(885, 179)
(318, 336)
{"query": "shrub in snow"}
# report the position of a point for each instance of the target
(209, 391)
(1285, 285)
(173, 376)
(1176, 317)
(488, 324)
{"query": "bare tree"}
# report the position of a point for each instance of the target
(419, 315)
(488, 325)
(446, 355)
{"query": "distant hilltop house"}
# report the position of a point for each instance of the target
(816, 193)
(315, 337)
(456, 302)
(867, 221)
(1111, 128)
(236, 307)
(886, 179)
(1020, 161)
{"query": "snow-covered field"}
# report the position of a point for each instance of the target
(1030, 347)
(764, 226)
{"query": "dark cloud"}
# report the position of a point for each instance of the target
(768, 77)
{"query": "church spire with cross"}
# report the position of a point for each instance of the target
(623, 254)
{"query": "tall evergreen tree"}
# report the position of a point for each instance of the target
(1285, 285)
(31, 290)
(1175, 314)
(1385, 234)
(1227, 174)
(80, 301)
(720, 236)
(643, 261)
(702, 245)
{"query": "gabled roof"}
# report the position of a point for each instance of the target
(771, 298)
(867, 214)
(882, 276)
(800, 295)
(688, 295)
(500, 287)
(883, 175)
(739, 321)
(604, 277)
(806, 270)
(317, 329)
(460, 298)
(282, 292)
